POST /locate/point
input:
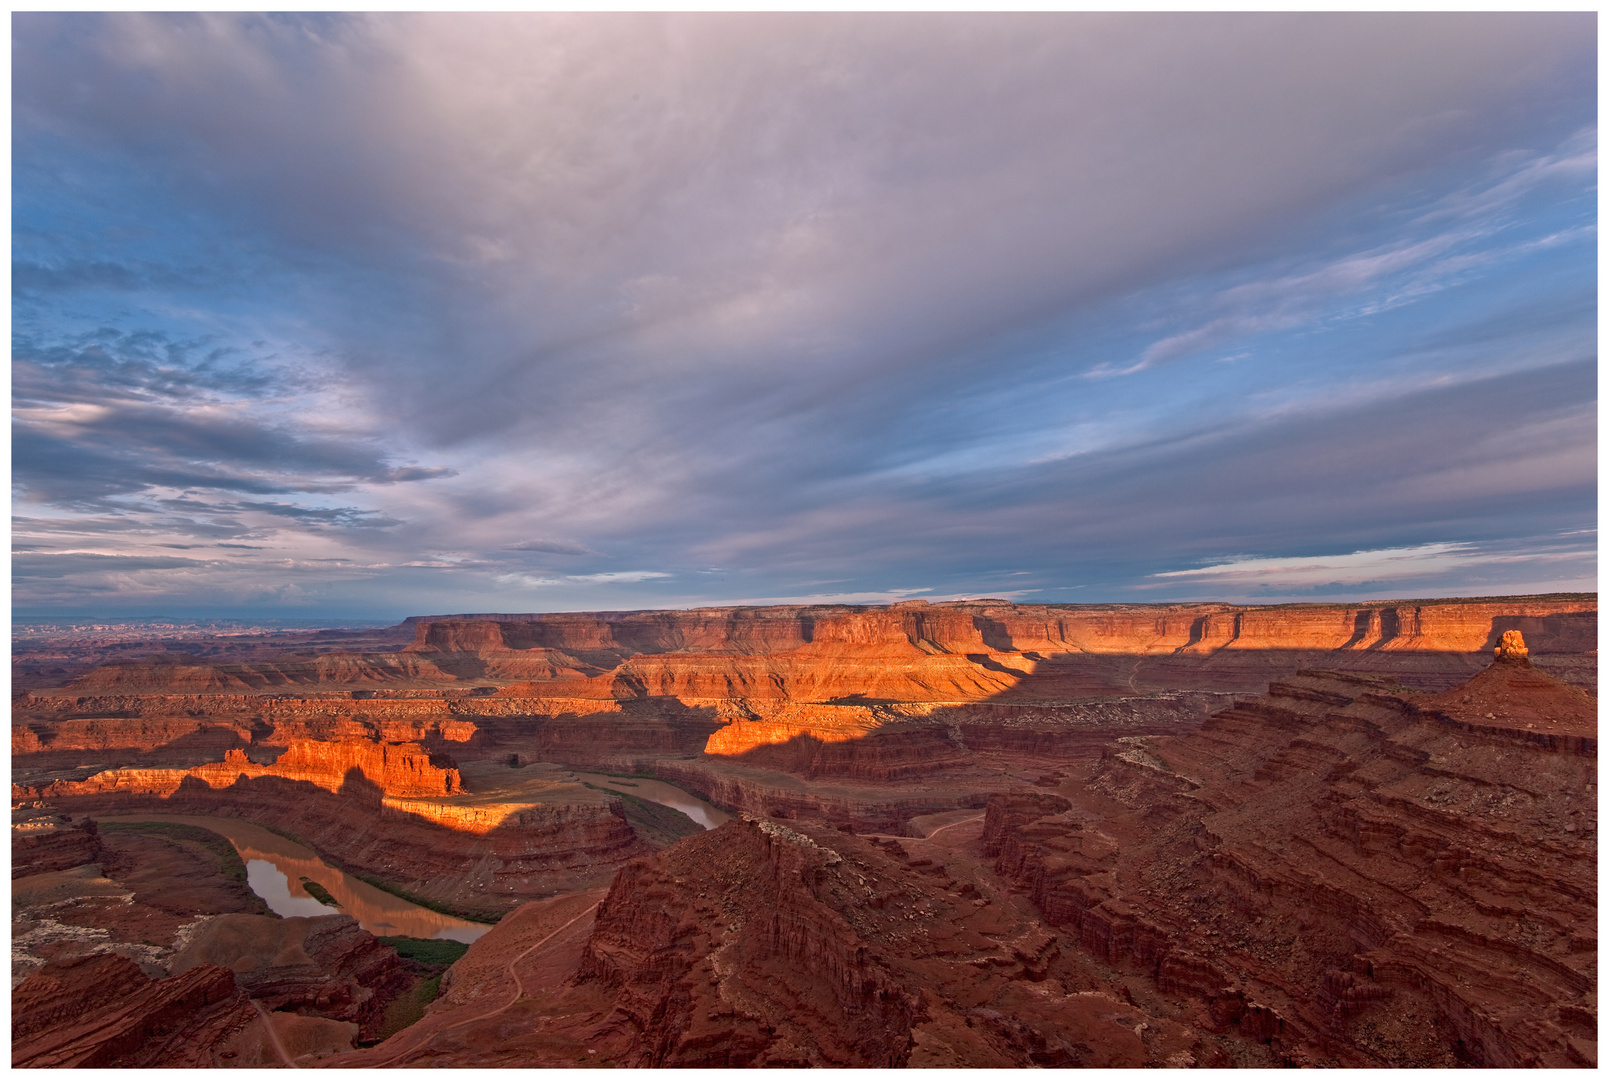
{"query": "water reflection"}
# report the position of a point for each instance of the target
(270, 882)
(665, 794)
(276, 866)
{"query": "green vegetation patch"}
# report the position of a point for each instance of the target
(436, 952)
(319, 893)
(429, 959)
(407, 1009)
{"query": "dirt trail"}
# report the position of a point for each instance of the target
(273, 1036)
(953, 824)
(929, 836)
(420, 1044)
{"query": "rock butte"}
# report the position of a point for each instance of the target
(970, 833)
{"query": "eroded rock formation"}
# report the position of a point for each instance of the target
(523, 834)
(104, 1012)
(961, 651)
(1341, 866)
(1091, 843)
(325, 966)
(764, 944)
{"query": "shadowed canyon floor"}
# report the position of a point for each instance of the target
(945, 834)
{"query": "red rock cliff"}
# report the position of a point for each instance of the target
(1340, 865)
(402, 770)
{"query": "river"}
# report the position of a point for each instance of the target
(276, 866)
(665, 794)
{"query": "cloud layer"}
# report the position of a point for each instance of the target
(386, 314)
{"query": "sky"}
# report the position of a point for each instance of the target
(378, 315)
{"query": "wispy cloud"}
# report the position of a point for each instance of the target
(423, 308)
(1465, 240)
(1354, 568)
(620, 577)
(551, 547)
(1566, 558)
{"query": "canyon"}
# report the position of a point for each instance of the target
(966, 833)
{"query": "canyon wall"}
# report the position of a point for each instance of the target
(386, 811)
(1333, 859)
(955, 651)
(404, 771)
(1550, 624)
(867, 717)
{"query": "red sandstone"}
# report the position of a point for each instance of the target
(1386, 864)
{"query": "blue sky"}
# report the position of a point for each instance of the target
(372, 316)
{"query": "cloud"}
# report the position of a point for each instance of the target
(410, 474)
(623, 577)
(108, 366)
(121, 413)
(1367, 282)
(64, 564)
(1356, 568)
(807, 296)
(551, 547)
(344, 516)
(1425, 568)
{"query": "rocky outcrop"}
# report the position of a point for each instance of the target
(47, 844)
(405, 771)
(1344, 871)
(135, 893)
(157, 729)
(103, 1012)
(182, 673)
(1512, 648)
(958, 651)
(652, 932)
(779, 796)
(1513, 701)
(760, 944)
(1563, 624)
(481, 859)
(1337, 865)
(326, 966)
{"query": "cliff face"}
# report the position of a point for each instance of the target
(1339, 865)
(388, 811)
(961, 651)
(181, 673)
(414, 765)
(656, 941)
(404, 770)
(328, 981)
(1464, 626)
(760, 944)
(40, 847)
(102, 1011)
(327, 966)
(977, 627)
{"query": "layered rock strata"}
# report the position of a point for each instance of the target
(103, 1012)
(403, 771)
(325, 966)
(524, 833)
(48, 843)
(962, 651)
(759, 944)
(1342, 867)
